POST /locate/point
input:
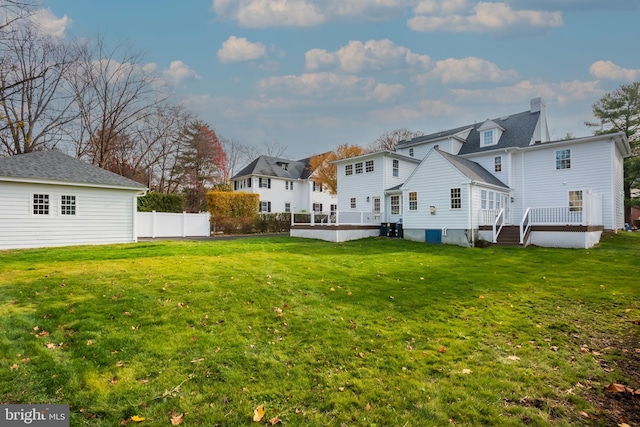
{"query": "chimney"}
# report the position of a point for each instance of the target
(541, 132)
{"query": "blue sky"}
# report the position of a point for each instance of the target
(313, 74)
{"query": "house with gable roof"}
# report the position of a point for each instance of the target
(501, 180)
(284, 186)
(50, 199)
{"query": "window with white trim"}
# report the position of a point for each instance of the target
(456, 198)
(497, 164)
(498, 201)
(395, 205)
(487, 138)
(41, 204)
(411, 152)
(317, 207)
(368, 166)
(358, 167)
(264, 182)
(575, 201)
(491, 198)
(483, 199)
(563, 159)
(288, 185)
(353, 202)
(67, 205)
(413, 201)
(396, 167)
(317, 187)
(287, 206)
(265, 207)
(348, 170)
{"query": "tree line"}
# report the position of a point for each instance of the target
(106, 106)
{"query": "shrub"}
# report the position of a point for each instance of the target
(232, 212)
(160, 202)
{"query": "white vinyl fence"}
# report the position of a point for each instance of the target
(163, 224)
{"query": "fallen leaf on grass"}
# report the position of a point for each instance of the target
(275, 420)
(14, 367)
(89, 342)
(554, 348)
(176, 419)
(618, 388)
(442, 349)
(120, 364)
(466, 371)
(584, 414)
(513, 357)
(258, 413)
(137, 419)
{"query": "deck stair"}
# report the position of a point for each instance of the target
(509, 236)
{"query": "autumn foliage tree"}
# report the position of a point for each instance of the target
(325, 171)
(201, 164)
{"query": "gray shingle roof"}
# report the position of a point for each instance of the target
(273, 166)
(472, 170)
(53, 165)
(518, 130)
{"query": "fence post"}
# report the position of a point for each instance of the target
(153, 224)
(184, 224)
(313, 218)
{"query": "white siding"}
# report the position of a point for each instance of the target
(545, 186)
(433, 181)
(102, 216)
(361, 186)
(302, 197)
(618, 189)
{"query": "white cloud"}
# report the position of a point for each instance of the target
(416, 112)
(318, 84)
(440, 15)
(356, 57)
(384, 92)
(466, 70)
(178, 71)
(562, 92)
(307, 13)
(49, 24)
(607, 70)
(236, 49)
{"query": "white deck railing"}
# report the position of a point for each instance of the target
(336, 218)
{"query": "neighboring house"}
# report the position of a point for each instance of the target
(284, 186)
(501, 180)
(50, 199)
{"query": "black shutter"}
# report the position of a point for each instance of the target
(249, 182)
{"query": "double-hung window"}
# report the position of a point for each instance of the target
(413, 201)
(575, 201)
(497, 164)
(456, 198)
(563, 159)
(264, 182)
(395, 205)
(348, 170)
(317, 187)
(265, 207)
(359, 167)
(396, 168)
(353, 202)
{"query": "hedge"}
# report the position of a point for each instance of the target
(160, 203)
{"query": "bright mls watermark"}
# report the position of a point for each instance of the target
(34, 415)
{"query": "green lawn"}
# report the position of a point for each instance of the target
(375, 332)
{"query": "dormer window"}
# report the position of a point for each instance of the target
(487, 137)
(490, 133)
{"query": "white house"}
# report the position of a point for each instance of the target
(284, 186)
(501, 180)
(50, 199)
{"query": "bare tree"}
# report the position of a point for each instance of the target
(38, 104)
(388, 140)
(114, 93)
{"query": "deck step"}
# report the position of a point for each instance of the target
(509, 236)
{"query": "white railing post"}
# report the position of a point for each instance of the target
(313, 219)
